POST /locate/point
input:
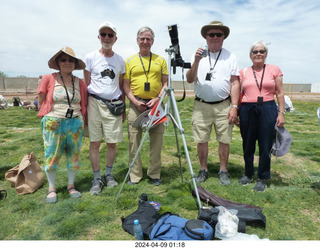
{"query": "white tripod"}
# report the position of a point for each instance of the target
(175, 117)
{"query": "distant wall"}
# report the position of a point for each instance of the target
(18, 85)
(315, 88)
(23, 85)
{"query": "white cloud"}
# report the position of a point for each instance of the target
(32, 31)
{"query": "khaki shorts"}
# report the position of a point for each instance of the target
(205, 115)
(102, 123)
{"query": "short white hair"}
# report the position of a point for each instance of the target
(144, 29)
(259, 43)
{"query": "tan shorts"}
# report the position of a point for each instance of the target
(205, 115)
(102, 123)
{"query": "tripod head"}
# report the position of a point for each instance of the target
(175, 49)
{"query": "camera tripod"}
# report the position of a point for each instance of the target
(170, 105)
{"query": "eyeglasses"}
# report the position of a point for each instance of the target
(110, 35)
(258, 51)
(215, 34)
(70, 60)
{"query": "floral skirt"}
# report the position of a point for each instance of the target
(62, 135)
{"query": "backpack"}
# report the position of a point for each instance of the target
(147, 216)
(172, 227)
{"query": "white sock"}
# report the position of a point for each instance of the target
(71, 176)
(51, 175)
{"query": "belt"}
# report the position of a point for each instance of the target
(144, 100)
(212, 103)
(104, 100)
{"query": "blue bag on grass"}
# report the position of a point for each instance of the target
(172, 227)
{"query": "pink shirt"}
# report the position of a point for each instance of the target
(47, 86)
(250, 88)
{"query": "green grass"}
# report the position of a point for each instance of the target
(291, 202)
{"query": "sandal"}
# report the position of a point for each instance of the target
(74, 195)
(53, 199)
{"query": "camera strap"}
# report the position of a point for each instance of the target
(255, 77)
(73, 90)
(146, 73)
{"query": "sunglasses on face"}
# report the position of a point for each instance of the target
(258, 51)
(215, 34)
(110, 35)
(70, 60)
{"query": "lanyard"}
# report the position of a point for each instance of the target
(212, 68)
(69, 102)
(144, 67)
(255, 77)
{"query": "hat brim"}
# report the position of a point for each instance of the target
(224, 29)
(142, 120)
(80, 65)
(282, 142)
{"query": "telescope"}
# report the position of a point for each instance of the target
(177, 60)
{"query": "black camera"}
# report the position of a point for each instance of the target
(109, 73)
(178, 61)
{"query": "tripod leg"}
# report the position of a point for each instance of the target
(179, 125)
(141, 143)
(132, 163)
(178, 147)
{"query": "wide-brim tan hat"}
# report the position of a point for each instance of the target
(215, 25)
(69, 51)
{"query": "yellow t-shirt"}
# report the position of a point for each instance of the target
(137, 75)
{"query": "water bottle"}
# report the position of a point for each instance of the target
(205, 50)
(137, 230)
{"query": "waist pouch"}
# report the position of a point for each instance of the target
(117, 107)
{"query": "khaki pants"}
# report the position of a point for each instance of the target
(156, 141)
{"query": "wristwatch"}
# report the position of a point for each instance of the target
(236, 106)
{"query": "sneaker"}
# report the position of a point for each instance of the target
(245, 180)
(155, 182)
(224, 178)
(97, 186)
(202, 176)
(109, 181)
(261, 185)
(132, 183)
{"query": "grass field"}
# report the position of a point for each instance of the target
(291, 202)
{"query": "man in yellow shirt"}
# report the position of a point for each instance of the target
(144, 83)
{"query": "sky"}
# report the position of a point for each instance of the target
(32, 31)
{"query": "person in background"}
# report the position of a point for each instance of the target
(103, 76)
(62, 106)
(259, 112)
(217, 88)
(144, 83)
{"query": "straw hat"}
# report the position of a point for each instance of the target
(67, 50)
(215, 25)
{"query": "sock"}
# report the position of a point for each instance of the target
(71, 176)
(96, 175)
(108, 170)
(51, 175)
